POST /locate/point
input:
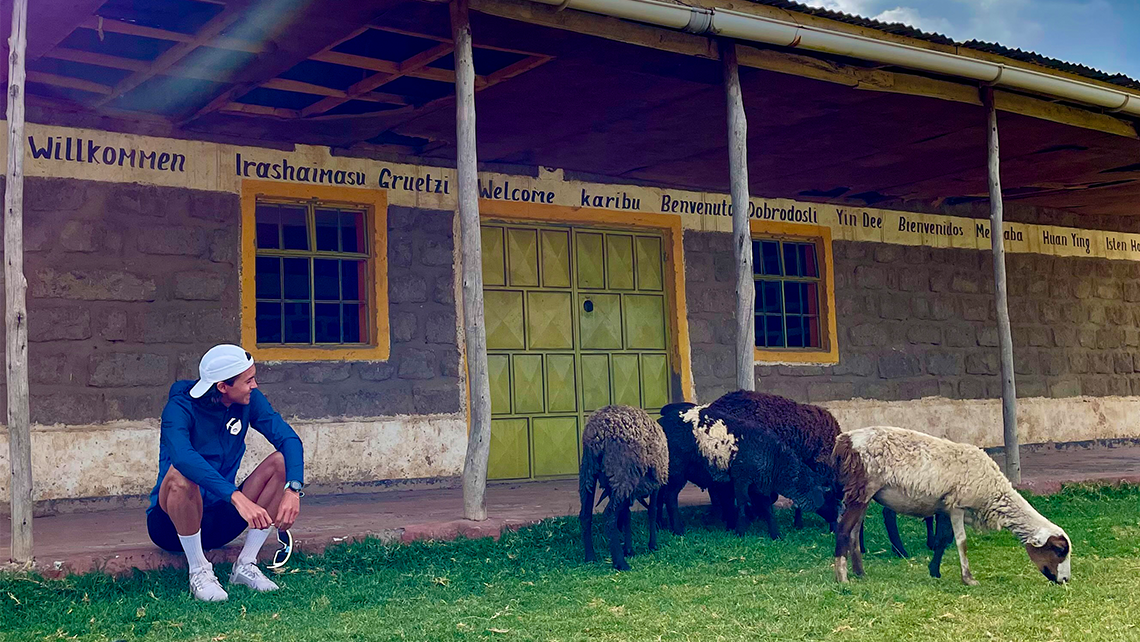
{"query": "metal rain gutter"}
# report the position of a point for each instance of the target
(741, 26)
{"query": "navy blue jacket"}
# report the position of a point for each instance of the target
(198, 439)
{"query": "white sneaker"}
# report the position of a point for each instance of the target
(251, 576)
(204, 585)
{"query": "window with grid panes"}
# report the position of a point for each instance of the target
(311, 274)
(788, 290)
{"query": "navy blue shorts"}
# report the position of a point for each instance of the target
(221, 524)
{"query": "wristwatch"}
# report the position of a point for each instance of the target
(295, 486)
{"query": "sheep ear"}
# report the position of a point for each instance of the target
(1039, 538)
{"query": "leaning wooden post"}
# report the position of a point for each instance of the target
(741, 233)
(16, 311)
(479, 436)
(1005, 340)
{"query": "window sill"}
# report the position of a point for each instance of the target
(290, 353)
(795, 357)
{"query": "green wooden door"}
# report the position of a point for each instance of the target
(576, 319)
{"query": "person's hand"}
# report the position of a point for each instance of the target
(288, 510)
(254, 515)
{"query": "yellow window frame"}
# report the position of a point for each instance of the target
(375, 203)
(829, 336)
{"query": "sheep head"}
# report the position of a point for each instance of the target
(829, 507)
(1049, 549)
(806, 489)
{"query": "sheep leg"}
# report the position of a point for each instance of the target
(891, 521)
(930, 536)
(844, 538)
(740, 486)
(654, 510)
(627, 529)
(938, 539)
(798, 519)
(613, 516)
(716, 506)
(675, 513)
(764, 511)
(957, 520)
(727, 504)
(587, 486)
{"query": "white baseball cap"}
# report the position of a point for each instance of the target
(220, 362)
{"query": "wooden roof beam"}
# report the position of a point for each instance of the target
(384, 66)
(261, 110)
(510, 71)
(63, 104)
(128, 64)
(425, 36)
(68, 82)
(360, 62)
(131, 29)
(98, 59)
(375, 81)
(284, 84)
(208, 32)
(115, 62)
(297, 86)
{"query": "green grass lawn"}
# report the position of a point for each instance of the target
(707, 585)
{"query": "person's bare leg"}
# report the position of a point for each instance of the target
(266, 484)
(182, 501)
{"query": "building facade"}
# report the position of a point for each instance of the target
(341, 275)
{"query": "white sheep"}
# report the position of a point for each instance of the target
(916, 474)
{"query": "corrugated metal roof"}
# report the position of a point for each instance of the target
(977, 45)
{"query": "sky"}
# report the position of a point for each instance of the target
(1103, 34)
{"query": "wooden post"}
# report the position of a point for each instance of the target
(15, 308)
(741, 232)
(479, 436)
(1005, 340)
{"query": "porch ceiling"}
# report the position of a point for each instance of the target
(374, 77)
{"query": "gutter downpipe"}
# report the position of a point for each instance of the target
(741, 26)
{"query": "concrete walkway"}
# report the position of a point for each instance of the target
(116, 541)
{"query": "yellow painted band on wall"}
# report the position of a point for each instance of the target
(224, 168)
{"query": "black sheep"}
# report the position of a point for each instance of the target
(809, 431)
(687, 465)
(739, 457)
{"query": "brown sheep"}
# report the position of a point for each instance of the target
(624, 450)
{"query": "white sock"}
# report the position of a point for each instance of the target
(192, 545)
(254, 538)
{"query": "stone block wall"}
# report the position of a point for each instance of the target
(128, 285)
(917, 322)
(422, 375)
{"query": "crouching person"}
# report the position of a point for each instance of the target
(195, 505)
